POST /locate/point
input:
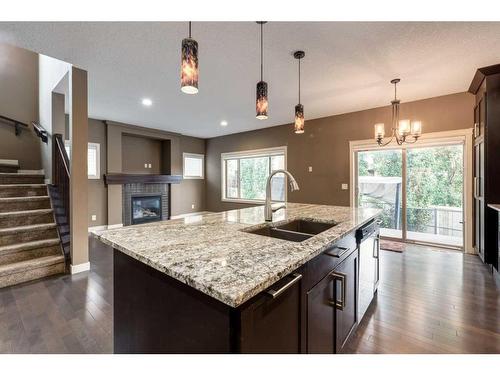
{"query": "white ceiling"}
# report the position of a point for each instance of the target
(347, 67)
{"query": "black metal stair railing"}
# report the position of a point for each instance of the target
(61, 190)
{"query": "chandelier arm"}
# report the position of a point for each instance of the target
(385, 144)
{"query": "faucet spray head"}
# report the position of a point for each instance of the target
(293, 184)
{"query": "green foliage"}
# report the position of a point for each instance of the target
(253, 176)
(434, 178)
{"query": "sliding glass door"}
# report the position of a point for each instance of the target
(380, 186)
(434, 194)
(419, 189)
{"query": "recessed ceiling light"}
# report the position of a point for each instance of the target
(147, 102)
(223, 123)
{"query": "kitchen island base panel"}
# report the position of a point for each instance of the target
(154, 313)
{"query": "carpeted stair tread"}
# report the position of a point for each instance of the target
(24, 199)
(28, 265)
(7, 249)
(41, 211)
(26, 228)
(3, 186)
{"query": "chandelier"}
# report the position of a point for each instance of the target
(401, 130)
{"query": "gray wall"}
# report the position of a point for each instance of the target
(325, 147)
(19, 100)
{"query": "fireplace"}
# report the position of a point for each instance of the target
(146, 208)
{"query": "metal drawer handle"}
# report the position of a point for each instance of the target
(339, 276)
(332, 252)
(275, 293)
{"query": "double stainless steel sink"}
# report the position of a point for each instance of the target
(297, 230)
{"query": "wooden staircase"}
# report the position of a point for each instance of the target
(30, 247)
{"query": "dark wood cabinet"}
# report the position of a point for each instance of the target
(271, 322)
(311, 310)
(486, 87)
(332, 308)
(321, 317)
(346, 289)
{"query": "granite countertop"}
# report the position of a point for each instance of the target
(213, 254)
(494, 206)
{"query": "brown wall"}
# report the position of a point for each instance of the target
(325, 147)
(98, 197)
(137, 151)
(188, 192)
(19, 100)
(140, 145)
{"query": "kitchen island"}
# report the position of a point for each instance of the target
(209, 284)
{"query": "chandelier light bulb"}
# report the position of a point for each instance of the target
(379, 130)
(404, 127)
(416, 128)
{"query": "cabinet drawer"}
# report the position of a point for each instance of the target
(323, 264)
(270, 322)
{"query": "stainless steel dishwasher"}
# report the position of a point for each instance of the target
(368, 241)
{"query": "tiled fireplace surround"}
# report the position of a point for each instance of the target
(139, 189)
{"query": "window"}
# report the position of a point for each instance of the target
(193, 165)
(244, 175)
(93, 159)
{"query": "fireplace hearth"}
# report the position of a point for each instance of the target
(146, 208)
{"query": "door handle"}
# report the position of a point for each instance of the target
(276, 293)
(376, 247)
(476, 188)
(339, 276)
(475, 130)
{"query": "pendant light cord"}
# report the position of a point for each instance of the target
(189, 29)
(299, 81)
(261, 51)
(395, 96)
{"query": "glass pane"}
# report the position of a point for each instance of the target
(278, 183)
(232, 178)
(434, 194)
(277, 162)
(253, 176)
(92, 161)
(193, 166)
(380, 186)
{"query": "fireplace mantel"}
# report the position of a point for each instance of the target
(126, 178)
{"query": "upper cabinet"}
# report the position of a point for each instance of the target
(486, 87)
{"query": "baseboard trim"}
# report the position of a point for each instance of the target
(97, 228)
(114, 226)
(79, 268)
(189, 214)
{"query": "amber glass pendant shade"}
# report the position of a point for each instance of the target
(189, 66)
(299, 119)
(261, 101)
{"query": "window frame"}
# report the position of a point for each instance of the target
(97, 147)
(272, 151)
(97, 176)
(193, 156)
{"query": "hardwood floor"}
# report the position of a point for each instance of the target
(63, 314)
(429, 301)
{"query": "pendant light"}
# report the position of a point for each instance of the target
(400, 129)
(189, 65)
(261, 103)
(299, 108)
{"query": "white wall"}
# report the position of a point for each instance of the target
(50, 72)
